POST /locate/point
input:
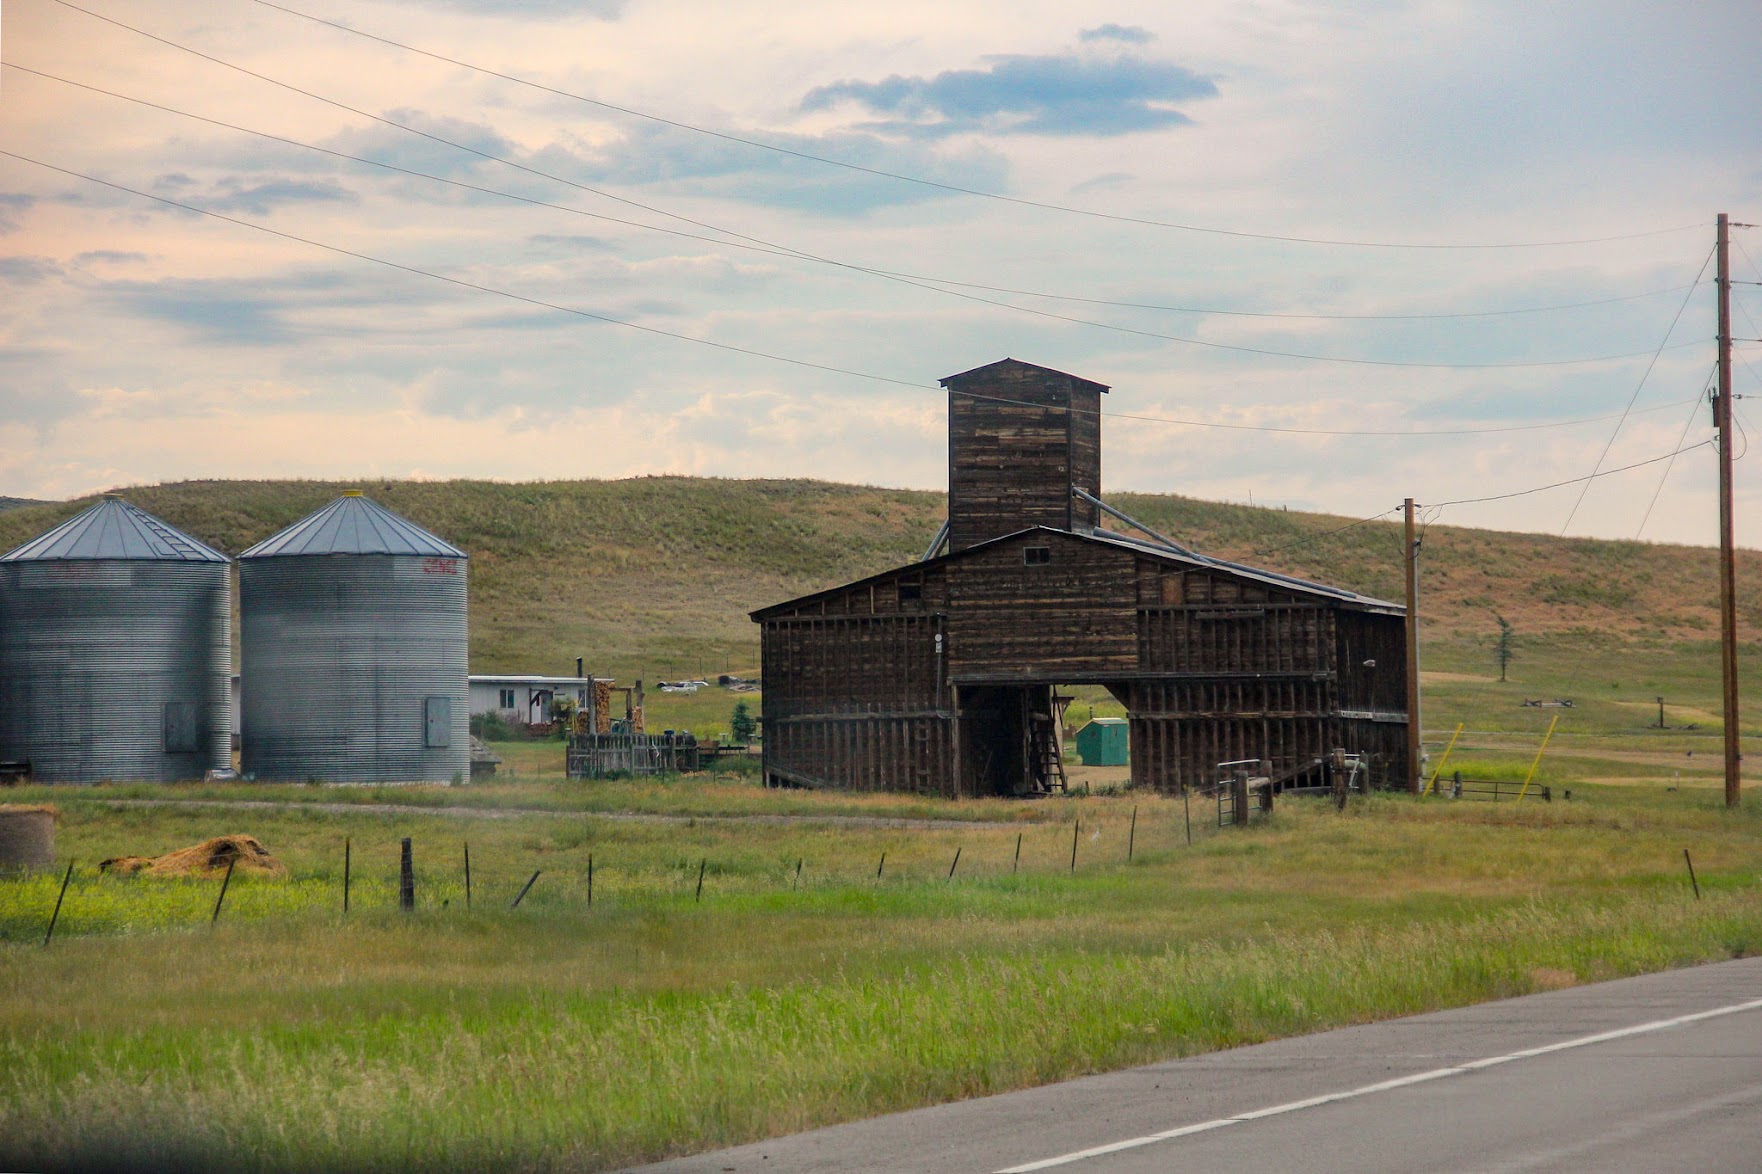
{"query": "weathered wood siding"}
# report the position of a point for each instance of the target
(1069, 618)
(857, 701)
(1019, 437)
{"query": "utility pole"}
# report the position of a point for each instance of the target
(1728, 608)
(1410, 556)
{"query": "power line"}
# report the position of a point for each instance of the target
(921, 181)
(1668, 465)
(1574, 481)
(1263, 552)
(806, 363)
(796, 254)
(1267, 352)
(1602, 456)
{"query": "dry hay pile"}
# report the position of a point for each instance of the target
(602, 707)
(210, 856)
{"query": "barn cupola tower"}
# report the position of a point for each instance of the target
(1021, 438)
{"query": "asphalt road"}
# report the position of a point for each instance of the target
(1662, 1072)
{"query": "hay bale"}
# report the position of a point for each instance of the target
(27, 837)
(210, 856)
(602, 707)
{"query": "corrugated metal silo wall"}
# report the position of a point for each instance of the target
(113, 669)
(340, 655)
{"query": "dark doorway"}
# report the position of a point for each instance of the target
(1011, 739)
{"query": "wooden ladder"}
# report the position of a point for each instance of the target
(1047, 751)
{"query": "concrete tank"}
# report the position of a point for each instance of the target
(115, 650)
(353, 651)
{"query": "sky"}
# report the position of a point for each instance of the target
(746, 240)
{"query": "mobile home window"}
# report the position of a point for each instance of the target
(1036, 556)
(507, 699)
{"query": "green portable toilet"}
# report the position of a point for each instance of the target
(1104, 742)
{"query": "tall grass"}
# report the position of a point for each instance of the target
(568, 1036)
(394, 1076)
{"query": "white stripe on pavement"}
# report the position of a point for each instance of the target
(1382, 1086)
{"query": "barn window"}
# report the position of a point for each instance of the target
(911, 593)
(1036, 556)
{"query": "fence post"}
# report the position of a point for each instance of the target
(467, 874)
(225, 881)
(1132, 835)
(56, 916)
(1076, 826)
(955, 861)
(524, 891)
(1017, 862)
(406, 879)
(701, 865)
(1692, 880)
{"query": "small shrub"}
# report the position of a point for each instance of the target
(491, 727)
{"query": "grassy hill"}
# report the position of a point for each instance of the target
(654, 576)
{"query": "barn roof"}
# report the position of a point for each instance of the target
(1002, 366)
(1338, 595)
(114, 529)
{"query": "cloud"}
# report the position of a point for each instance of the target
(529, 9)
(260, 198)
(109, 257)
(257, 196)
(1128, 34)
(27, 270)
(402, 148)
(1064, 94)
(704, 165)
(244, 311)
(11, 204)
(562, 242)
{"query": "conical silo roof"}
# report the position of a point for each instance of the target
(114, 529)
(353, 524)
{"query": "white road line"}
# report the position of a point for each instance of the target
(1382, 1086)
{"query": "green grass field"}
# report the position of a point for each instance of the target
(578, 1034)
(569, 1035)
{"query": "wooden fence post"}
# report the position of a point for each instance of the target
(524, 891)
(406, 878)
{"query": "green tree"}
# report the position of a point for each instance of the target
(1502, 649)
(741, 724)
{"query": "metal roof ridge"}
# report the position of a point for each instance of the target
(353, 524)
(114, 530)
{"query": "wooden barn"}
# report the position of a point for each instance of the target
(944, 676)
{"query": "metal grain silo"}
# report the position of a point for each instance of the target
(115, 650)
(352, 641)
